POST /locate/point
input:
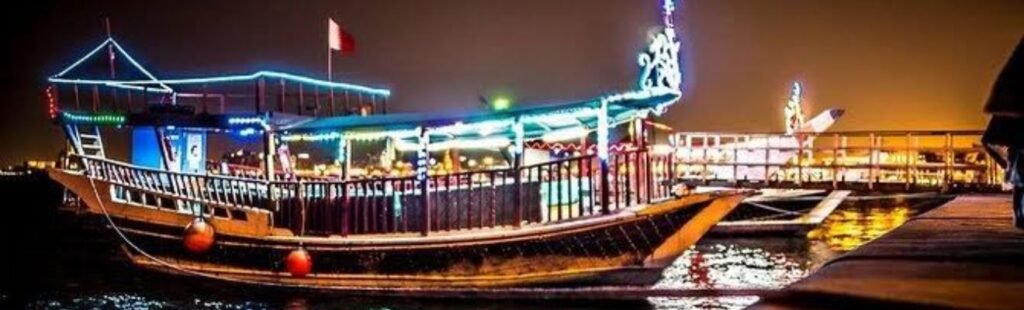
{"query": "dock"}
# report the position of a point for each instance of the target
(965, 254)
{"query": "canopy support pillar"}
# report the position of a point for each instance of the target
(602, 154)
(344, 153)
(423, 183)
(269, 150)
(517, 165)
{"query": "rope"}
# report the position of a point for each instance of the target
(773, 209)
(110, 220)
(862, 198)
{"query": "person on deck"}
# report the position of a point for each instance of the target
(1004, 137)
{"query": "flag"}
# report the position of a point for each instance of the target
(338, 39)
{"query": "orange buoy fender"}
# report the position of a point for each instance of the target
(199, 236)
(299, 263)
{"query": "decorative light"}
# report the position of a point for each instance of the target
(51, 102)
(660, 63)
(668, 7)
(163, 84)
(565, 134)
(501, 103)
(602, 131)
(231, 78)
(561, 118)
(342, 150)
(462, 144)
(87, 55)
(793, 112)
(247, 120)
(517, 128)
(422, 156)
(378, 135)
(137, 65)
(484, 127)
(95, 119)
(109, 41)
(247, 132)
(315, 137)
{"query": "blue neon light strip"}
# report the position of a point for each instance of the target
(80, 60)
(137, 65)
(232, 78)
(137, 84)
(56, 78)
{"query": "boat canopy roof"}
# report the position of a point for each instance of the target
(552, 121)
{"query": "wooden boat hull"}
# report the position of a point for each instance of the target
(631, 246)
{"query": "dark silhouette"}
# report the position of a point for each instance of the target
(1004, 137)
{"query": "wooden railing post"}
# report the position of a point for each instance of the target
(300, 195)
(605, 194)
(648, 181)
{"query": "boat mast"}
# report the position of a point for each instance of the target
(110, 50)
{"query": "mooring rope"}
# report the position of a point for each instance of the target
(863, 198)
(121, 234)
(765, 207)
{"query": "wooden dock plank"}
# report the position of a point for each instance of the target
(964, 254)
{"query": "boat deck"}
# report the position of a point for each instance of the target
(965, 254)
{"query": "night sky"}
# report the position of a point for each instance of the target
(893, 64)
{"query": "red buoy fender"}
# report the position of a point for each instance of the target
(299, 263)
(199, 236)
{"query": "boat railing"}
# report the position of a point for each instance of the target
(556, 191)
(206, 189)
(264, 92)
(562, 190)
(473, 199)
(639, 176)
(367, 206)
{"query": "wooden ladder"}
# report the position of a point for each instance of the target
(86, 144)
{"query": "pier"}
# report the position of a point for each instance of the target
(886, 161)
(965, 254)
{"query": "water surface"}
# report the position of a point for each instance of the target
(49, 274)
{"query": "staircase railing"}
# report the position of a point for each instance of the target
(207, 189)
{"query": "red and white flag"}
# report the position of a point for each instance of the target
(338, 39)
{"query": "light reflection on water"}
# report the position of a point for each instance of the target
(848, 229)
(774, 262)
